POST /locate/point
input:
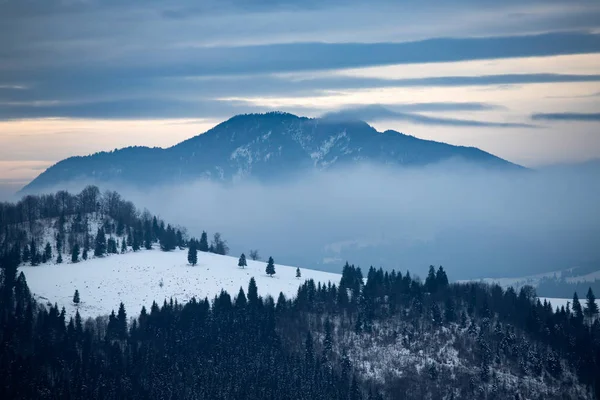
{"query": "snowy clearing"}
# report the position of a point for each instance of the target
(135, 279)
(556, 302)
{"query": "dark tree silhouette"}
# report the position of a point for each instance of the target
(270, 270)
(75, 253)
(242, 261)
(254, 256)
(192, 252)
(100, 247)
(203, 245)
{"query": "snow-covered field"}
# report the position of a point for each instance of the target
(138, 279)
(556, 302)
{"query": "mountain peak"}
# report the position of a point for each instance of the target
(264, 146)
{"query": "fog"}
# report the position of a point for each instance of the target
(474, 222)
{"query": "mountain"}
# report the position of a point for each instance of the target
(264, 146)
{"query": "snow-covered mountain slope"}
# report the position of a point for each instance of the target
(264, 146)
(137, 279)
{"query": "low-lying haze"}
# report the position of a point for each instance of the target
(474, 222)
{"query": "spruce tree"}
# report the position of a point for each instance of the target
(75, 253)
(123, 246)
(100, 248)
(242, 261)
(59, 259)
(135, 245)
(192, 252)
(59, 243)
(203, 245)
(441, 278)
(240, 300)
(577, 310)
(35, 256)
(252, 292)
(76, 299)
(122, 322)
(591, 308)
(26, 254)
(328, 341)
(148, 239)
(48, 251)
(430, 281)
(111, 246)
(270, 270)
(298, 273)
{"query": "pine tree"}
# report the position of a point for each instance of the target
(26, 254)
(252, 292)
(270, 270)
(100, 248)
(59, 243)
(48, 251)
(430, 281)
(35, 256)
(168, 240)
(122, 322)
(242, 261)
(123, 246)
(76, 297)
(192, 252)
(240, 300)
(86, 246)
(441, 279)
(59, 259)
(298, 273)
(203, 245)
(328, 341)
(577, 310)
(120, 227)
(135, 244)
(111, 246)
(75, 254)
(148, 239)
(591, 308)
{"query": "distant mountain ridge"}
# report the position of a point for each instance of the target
(264, 146)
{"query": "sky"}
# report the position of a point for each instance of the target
(519, 79)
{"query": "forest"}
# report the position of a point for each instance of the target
(249, 347)
(386, 335)
(44, 228)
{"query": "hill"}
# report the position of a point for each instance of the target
(385, 335)
(263, 146)
(139, 278)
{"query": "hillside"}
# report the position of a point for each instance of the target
(139, 278)
(263, 146)
(386, 335)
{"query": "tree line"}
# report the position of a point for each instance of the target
(70, 218)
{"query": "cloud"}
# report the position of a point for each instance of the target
(380, 113)
(567, 116)
(85, 95)
(474, 222)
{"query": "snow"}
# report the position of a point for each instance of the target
(135, 279)
(556, 302)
